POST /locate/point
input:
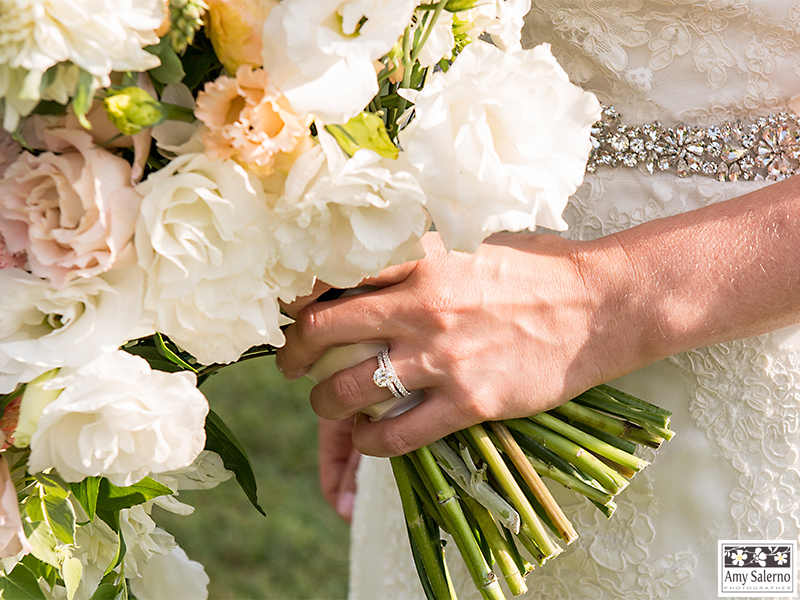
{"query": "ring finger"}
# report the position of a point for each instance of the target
(349, 391)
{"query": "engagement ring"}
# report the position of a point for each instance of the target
(385, 376)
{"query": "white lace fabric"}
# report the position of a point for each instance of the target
(733, 469)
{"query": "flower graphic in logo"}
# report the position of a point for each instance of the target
(780, 557)
(739, 556)
(760, 557)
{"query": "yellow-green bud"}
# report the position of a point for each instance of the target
(132, 109)
(459, 5)
(34, 400)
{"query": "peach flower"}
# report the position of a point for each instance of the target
(250, 121)
(73, 213)
(235, 28)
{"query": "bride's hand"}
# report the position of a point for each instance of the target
(506, 332)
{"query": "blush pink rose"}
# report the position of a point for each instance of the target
(73, 212)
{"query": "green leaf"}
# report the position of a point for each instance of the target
(85, 493)
(111, 497)
(118, 556)
(84, 95)
(33, 508)
(41, 570)
(366, 130)
(109, 517)
(170, 355)
(20, 584)
(42, 541)
(171, 69)
(111, 591)
(220, 439)
(60, 516)
(71, 573)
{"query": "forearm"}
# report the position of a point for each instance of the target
(726, 271)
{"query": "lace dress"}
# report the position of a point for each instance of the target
(733, 469)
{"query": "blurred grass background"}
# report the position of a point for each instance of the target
(300, 550)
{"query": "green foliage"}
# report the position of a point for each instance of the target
(84, 95)
(113, 498)
(20, 584)
(171, 69)
(220, 439)
(85, 493)
(364, 131)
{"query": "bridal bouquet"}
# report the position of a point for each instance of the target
(172, 170)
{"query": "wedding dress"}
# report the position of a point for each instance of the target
(732, 472)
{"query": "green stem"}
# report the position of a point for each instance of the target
(529, 518)
(482, 575)
(583, 460)
(418, 530)
(569, 481)
(428, 30)
(499, 547)
(591, 443)
(529, 475)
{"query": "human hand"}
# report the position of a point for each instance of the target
(505, 332)
(338, 461)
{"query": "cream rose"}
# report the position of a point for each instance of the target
(73, 213)
(99, 37)
(499, 142)
(345, 219)
(203, 240)
(43, 328)
(119, 419)
(320, 54)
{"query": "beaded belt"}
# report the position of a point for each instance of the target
(768, 149)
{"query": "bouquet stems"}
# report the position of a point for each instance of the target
(484, 485)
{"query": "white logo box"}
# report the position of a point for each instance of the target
(766, 568)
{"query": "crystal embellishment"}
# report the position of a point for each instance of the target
(768, 149)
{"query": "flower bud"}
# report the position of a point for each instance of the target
(35, 399)
(234, 28)
(133, 109)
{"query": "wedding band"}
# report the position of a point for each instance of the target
(385, 376)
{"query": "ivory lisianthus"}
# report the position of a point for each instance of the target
(249, 120)
(499, 143)
(202, 239)
(119, 419)
(501, 20)
(96, 35)
(345, 219)
(73, 213)
(320, 54)
(43, 328)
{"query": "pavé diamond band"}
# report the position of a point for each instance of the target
(385, 376)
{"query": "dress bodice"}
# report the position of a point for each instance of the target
(733, 470)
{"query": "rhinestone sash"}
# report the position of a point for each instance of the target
(768, 149)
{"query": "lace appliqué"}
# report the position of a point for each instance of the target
(748, 400)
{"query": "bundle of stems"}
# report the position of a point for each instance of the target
(483, 486)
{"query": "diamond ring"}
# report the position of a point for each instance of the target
(385, 376)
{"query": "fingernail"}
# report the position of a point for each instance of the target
(345, 505)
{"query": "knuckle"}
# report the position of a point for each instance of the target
(310, 322)
(346, 389)
(396, 444)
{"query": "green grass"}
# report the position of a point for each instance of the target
(300, 549)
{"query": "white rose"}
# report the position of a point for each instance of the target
(99, 37)
(172, 576)
(346, 219)
(499, 143)
(119, 419)
(320, 53)
(43, 328)
(206, 472)
(202, 237)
